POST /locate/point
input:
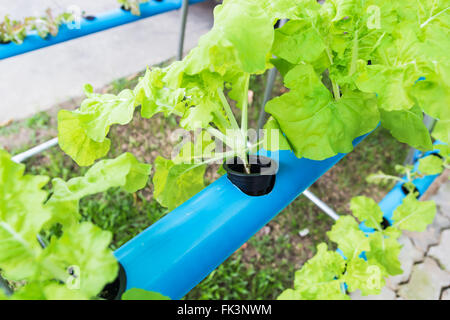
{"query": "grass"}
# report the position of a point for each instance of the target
(265, 265)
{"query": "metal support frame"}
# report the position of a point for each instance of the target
(34, 151)
(271, 77)
(322, 205)
(184, 13)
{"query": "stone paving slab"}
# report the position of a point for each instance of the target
(442, 199)
(441, 252)
(426, 282)
(446, 294)
(386, 294)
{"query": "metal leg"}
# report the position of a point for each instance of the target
(322, 205)
(267, 95)
(184, 12)
(269, 87)
(429, 122)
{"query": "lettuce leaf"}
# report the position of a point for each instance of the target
(349, 238)
(125, 171)
(367, 210)
(22, 216)
(414, 215)
(316, 125)
(176, 183)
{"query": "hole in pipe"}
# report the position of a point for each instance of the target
(385, 223)
(90, 18)
(406, 191)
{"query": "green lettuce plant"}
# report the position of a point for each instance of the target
(16, 31)
(435, 163)
(76, 262)
(348, 65)
(132, 5)
(365, 260)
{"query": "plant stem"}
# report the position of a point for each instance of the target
(433, 17)
(336, 91)
(219, 135)
(228, 110)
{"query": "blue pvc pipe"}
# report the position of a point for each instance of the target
(101, 22)
(177, 252)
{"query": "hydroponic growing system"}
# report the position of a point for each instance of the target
(177, 252)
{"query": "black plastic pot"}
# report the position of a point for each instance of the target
(261, 179)
(115, 289)
(406, 191)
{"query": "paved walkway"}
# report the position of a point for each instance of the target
(41, 79)
(425, 256)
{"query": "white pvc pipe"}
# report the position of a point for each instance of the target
(33, 151)
(322, 205)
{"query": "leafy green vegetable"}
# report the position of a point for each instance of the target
(367, 210)
(22, 216)
(125, 171)
(76, 264)
(89, 252)
(82, 133)
(273, 137)
(350, 239)
(74, 141)
(414, 215)
(441, 131)
(384, 252)
(154, 97)
(132, 5)
(316, 125)
(176, 183)
(318, 278)
(369, 258)
(364, 276)
(407, 126)
(16, 31)
(348, 64)
(141, 294)
(431, 165)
